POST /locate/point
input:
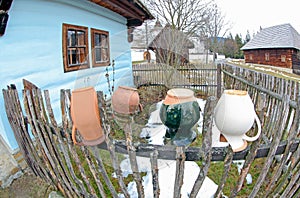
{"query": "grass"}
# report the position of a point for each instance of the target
(105, 157)
(216, 171)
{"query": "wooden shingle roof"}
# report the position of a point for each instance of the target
(172, 39)
(279, 36)
(134, 11)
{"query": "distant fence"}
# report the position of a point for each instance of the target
(276, 87)
(199, 77)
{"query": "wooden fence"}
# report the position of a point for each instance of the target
(279, 100)
(199, 77)
(83, 171)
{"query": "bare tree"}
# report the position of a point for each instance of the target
(180, 17)
(188, 16)
(217, 26)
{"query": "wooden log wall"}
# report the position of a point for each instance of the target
(84, 171)
(273, 57)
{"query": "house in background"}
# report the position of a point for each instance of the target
(66, 44)
(143, 35)
(201, 52)
(277, 46)
(170, 44)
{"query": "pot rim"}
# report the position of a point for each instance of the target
(180, 93)
(128, 88)
(235, 92)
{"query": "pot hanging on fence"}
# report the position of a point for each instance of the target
(86, 118)
(234, 116)
(126, 100)
(180, 112)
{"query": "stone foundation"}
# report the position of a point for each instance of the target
(12, 166)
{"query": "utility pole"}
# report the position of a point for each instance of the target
(148, 53)
(215, 32)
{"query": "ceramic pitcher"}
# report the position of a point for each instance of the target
(234, 116)
(126, 100)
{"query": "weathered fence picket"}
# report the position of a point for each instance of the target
(206, 151)
(154, 169)
(81, 171)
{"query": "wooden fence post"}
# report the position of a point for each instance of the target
(219, 79)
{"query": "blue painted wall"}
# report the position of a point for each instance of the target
(31, 48)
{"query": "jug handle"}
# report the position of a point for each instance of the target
(141, 107)
(251, 139)
(74, 136)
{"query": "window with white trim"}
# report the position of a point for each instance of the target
(267, 56)
(283, 58)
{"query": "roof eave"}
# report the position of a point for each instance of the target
(270, 47)
(134, 11)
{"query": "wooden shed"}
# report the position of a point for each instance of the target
(277, 46)
(171, 46)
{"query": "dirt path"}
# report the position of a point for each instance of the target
(27, 186)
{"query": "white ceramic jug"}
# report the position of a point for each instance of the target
(234, 116)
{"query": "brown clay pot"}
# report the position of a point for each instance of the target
(126, 100)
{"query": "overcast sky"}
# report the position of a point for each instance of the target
(251, 14)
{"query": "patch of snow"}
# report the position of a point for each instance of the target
(240, 164)
(155, 132)
(166, 176)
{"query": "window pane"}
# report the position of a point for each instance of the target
(80, 38)
(97, 40)
(103, 40)
(98, 54)
(104, 54)
(71, 38)
(72, 56)
(81, 55)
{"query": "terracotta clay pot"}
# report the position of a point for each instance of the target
(126, 100)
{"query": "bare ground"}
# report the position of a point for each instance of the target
(27, 186)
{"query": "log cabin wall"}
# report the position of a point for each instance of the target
(296, 62)
(275, 57)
